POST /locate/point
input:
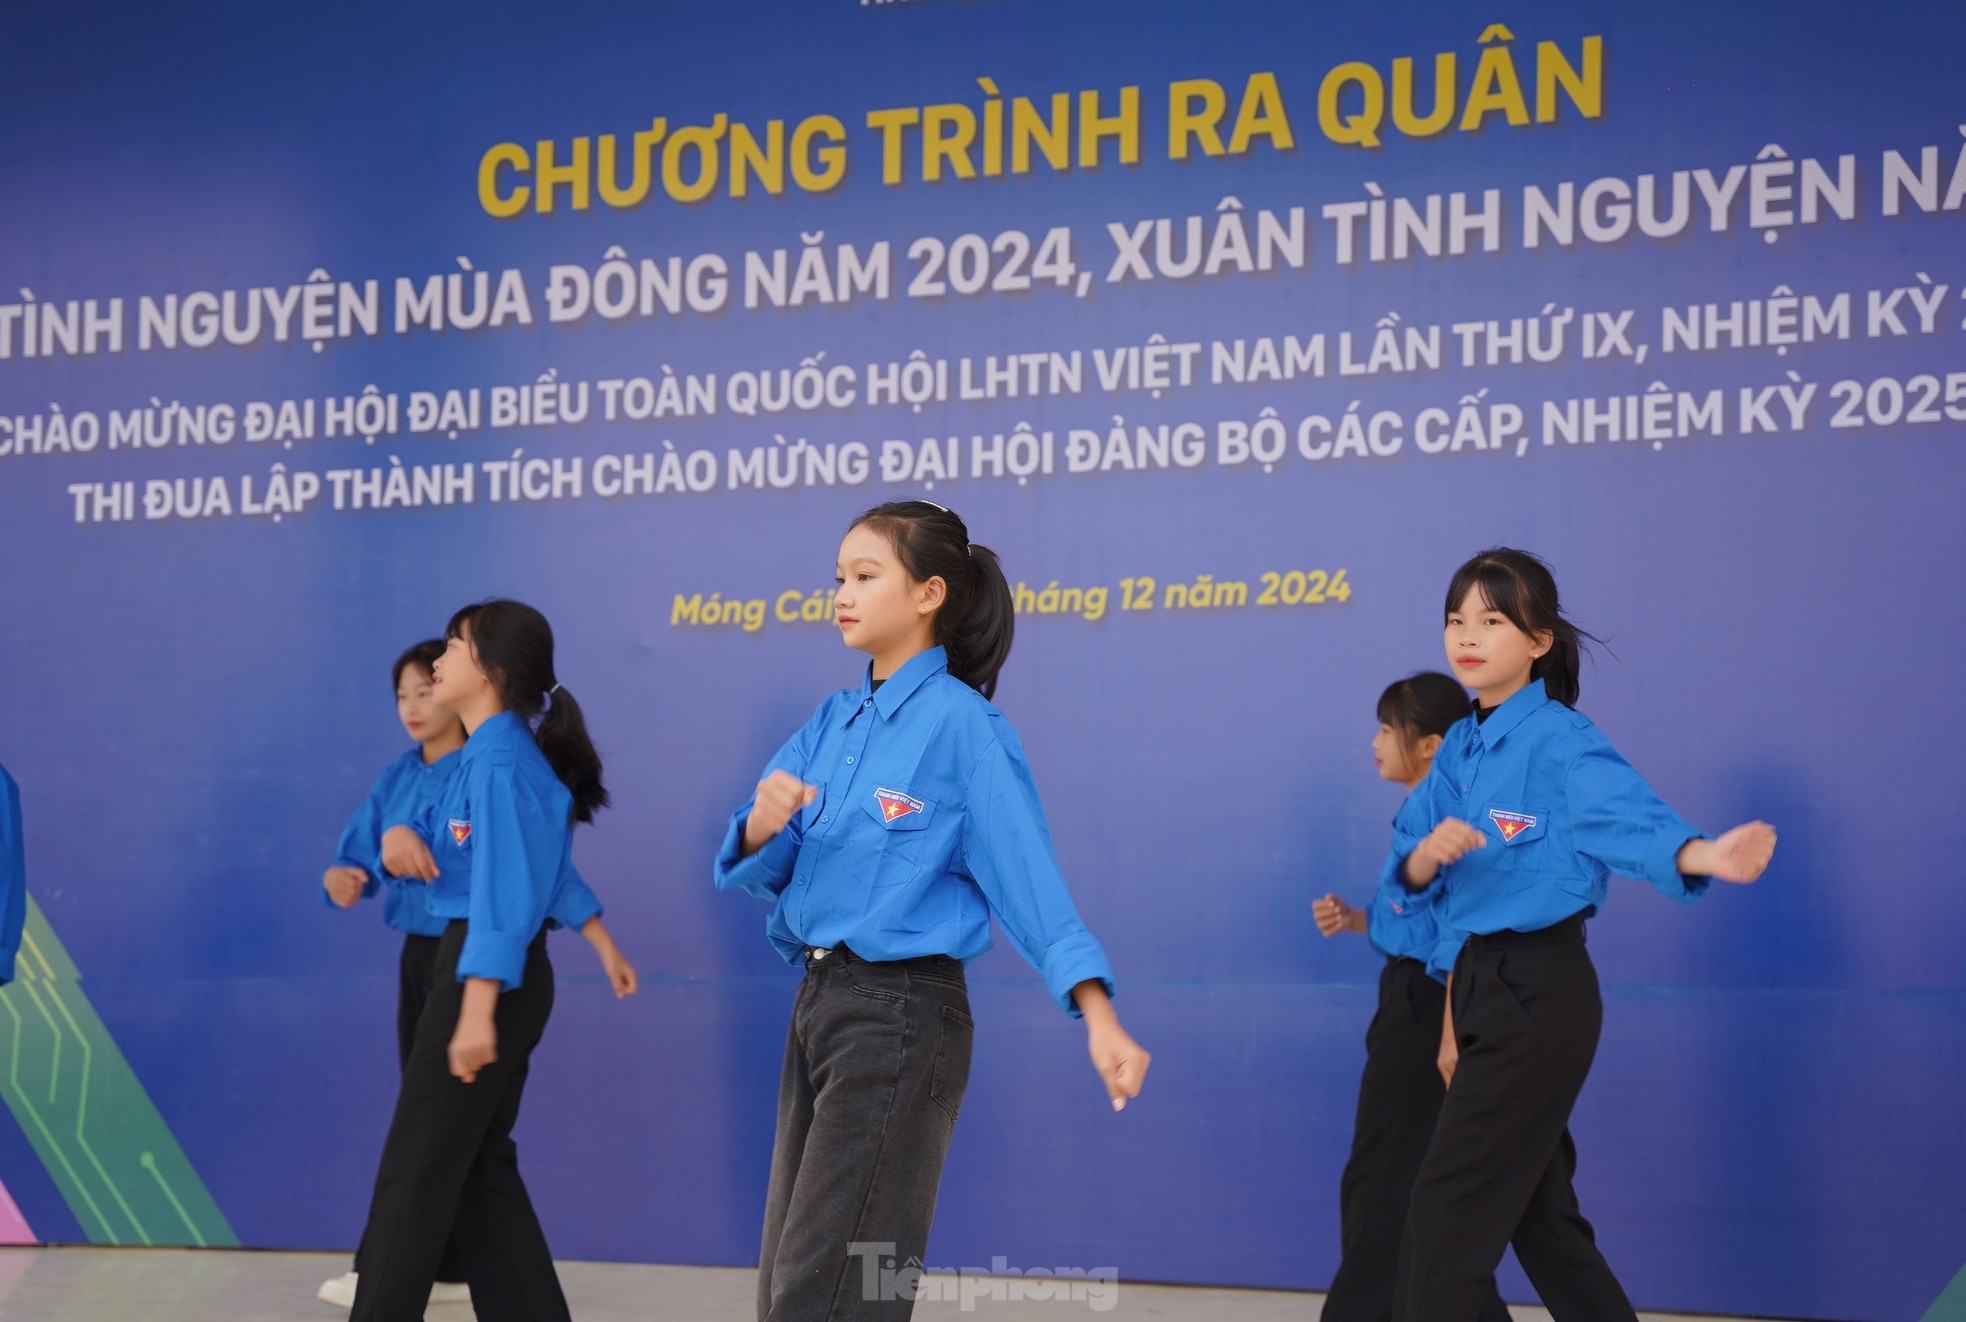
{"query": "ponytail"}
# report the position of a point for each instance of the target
(978, 615)
(514, 644)
(562, 738)
(1561, 667)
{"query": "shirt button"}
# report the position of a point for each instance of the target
(849, 761)
(868, 703)
(799, 881)
(824, 818)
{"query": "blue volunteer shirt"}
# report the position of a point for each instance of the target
(406, 789)
(13, 876)
(926, 821)
(399, 796)
(1562, 811)
(502, 836)
(1405, 926)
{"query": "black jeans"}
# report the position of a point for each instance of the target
(450, 1168)
(1399, 1098)
(1526, 1016)
(876, 1063)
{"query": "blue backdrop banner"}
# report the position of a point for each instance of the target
(1233, 329)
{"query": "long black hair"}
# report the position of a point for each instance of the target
(1422, 704)
(514, 645)
(1521, 587)
(423, 656)
(978, 616)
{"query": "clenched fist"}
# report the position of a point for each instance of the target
(780, 796)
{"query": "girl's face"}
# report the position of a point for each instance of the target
(1400, 759)
(878, 607)
(418, 709)
(1488, 652)
(456, 682)
(1389, 754)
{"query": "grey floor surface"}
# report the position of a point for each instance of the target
(176, 1285)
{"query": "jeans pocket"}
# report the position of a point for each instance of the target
(951, 1079)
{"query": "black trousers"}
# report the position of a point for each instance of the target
(1399, 1098)
(1526, 1016)
(450, 1169)
(416, 973)
(876, 1064)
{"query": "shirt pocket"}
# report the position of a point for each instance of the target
(891, 853)
(1518, 846)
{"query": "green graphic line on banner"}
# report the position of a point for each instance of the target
(88, 1118)
(1950, 1306)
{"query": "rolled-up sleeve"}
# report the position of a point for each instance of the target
(574, 903)
(1007, 849)
(764, 873)
(361, 841)
(516, 856)
(1620, 823)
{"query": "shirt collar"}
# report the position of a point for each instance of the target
(1530, 698)
(492, 733)
(899, 686)
(444, 763)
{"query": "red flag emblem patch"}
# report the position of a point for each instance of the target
(896, 804)
(460, 830)
(1510, 824)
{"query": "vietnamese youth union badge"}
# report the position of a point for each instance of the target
(895, 804)
(1510, 824)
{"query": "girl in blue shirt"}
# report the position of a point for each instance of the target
(494, 851)
(885, 834)
(404, 790)
(1512, 836)
(1400, 1092)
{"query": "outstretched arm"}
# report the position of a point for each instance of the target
(1740, 855)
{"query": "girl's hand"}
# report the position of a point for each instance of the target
(1447, 842)
(344, 885)
(1121, 1062)
(405, 855)
(780, 796)
(620, 973)
(1333, 916)
(474, 1045)
(1740, 855)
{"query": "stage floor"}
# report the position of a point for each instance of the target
(177, 1285)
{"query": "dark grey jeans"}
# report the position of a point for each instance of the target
(875, 1067)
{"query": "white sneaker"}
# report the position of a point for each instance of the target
(340, 1291)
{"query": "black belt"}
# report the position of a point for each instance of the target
(1569, 932)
